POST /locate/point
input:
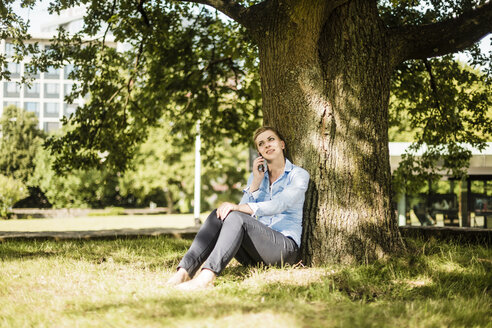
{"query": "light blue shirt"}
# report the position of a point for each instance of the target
(280, 205)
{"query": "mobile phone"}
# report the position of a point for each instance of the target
(261, 167)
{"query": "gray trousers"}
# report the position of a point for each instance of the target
(240, 236)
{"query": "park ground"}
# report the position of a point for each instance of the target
(120, 283)
(99, 223)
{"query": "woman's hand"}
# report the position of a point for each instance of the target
(225, 208)
(257, 174)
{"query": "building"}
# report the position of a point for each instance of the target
(450, 202)
(45, 97)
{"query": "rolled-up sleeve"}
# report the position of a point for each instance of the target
(287, 198)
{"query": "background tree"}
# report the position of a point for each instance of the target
(443, 105)
(162, 171)
(325, 69)
(20, 140)
(11, 191)
(79, 188)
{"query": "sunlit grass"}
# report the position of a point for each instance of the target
(119, 283)
(100, 223)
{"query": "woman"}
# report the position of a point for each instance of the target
(265, 227)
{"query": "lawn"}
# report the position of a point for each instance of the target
(119, 283)
(100, 223)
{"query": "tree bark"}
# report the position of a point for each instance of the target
(169, 200)
(325, 83)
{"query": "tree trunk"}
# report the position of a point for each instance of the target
(325, 84)
(169, 200)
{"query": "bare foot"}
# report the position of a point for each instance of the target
(204, 280)
(179, 277)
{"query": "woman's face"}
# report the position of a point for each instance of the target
(269, 145)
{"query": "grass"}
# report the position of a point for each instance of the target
(120, 284)
(100, 223)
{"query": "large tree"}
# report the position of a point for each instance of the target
(325, 69)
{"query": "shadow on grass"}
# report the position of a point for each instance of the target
(8, 253)
(320, 304)
(160, 251)
(443, 282)
(205, 306)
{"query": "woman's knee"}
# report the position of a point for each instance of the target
(234, 217)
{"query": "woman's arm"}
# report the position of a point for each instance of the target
(257, 174)
(254, 181)
(292, 193)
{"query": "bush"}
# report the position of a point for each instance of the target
(74, 189)
(11, 191)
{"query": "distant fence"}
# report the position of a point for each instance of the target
(76, 212)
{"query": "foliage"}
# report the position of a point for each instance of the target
(76, 188)
(14, 27)
(440, 105)
(448, 108)
(19, 142)
(436, 284)
(186, 64)
(179, 64)
(163, 170)
(11, 191)
(36, 199)
(395, 13)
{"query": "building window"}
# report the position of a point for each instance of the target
(11, 89)
(69, 68)
(52, 73)
(11, 103)
(32, 91)
(67, 89)
(14, 69)
(32, 107)
(51, 90)
(69, 109)
(51, 126)
(51, 110)
(9, 49)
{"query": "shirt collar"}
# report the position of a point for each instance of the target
(288, 166)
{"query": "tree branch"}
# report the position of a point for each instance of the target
(452, 35)
(230, 8)
(433, 84)
(141, 10)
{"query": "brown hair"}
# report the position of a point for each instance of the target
(269, 128)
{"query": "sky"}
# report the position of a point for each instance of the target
(39, 15)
